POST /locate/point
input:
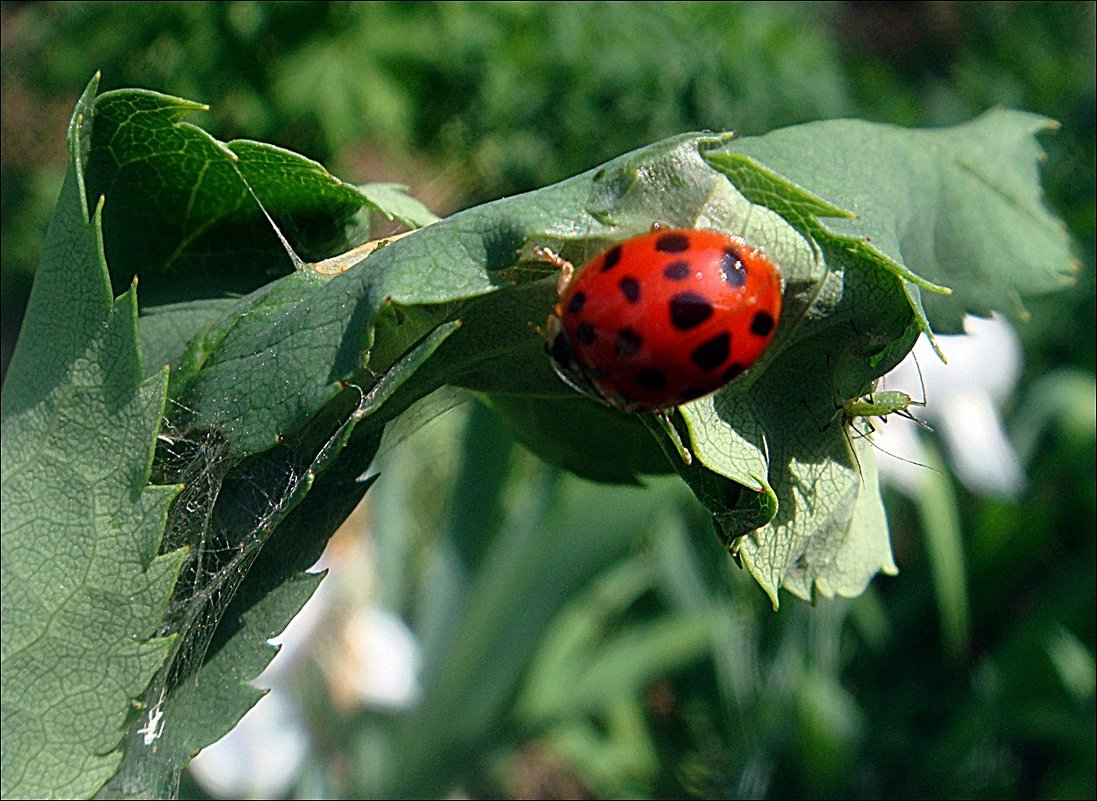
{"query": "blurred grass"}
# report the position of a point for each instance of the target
(469, 101)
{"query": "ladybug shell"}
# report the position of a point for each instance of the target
(665, 317)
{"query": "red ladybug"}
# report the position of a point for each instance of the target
(663, 318)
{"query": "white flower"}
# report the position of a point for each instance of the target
(372, 660)
(262, 755)
(380, 661)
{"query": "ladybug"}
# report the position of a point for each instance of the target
(662, 318)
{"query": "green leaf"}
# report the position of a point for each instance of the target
(192, 687)
(547, 427)
(594, 657)
(391, 200)
(186, 217)
(959, 207)
(296, 341)
(84, 588)
(186, 203)
(283, 503)
(284, 376)
(475, 664)
(855, 301)
(851, 312)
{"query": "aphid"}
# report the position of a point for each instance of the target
(877, 404)
(881, 404)
(663, 318)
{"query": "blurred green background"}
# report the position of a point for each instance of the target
(586, 640)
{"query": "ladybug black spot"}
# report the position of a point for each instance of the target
(672, 243)
(630, 288)
(711, 354)
(688, 310)
(651, 379)
(584, 332)
(733, 372)
(561, 351)
(613, 255)
(628, 343)
(762, 324)
(577, 302)
(676, 270)
(731, 264)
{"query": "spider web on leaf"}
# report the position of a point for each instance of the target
(225, 514)
(229, 509)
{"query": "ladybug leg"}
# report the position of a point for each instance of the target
(566, 268)
(552, 328)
